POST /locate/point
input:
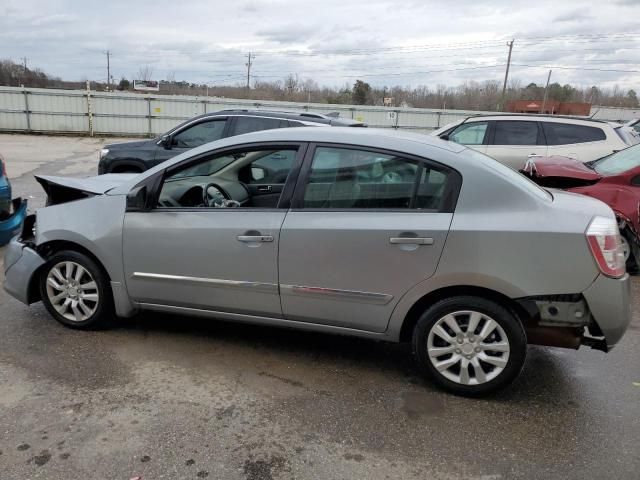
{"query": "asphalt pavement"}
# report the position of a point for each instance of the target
(167, 397)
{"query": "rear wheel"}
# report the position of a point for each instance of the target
(630, 249)
(469, 345)
(76, 291)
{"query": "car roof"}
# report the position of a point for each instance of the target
(366, 137)
(531, 116)
(332, 119)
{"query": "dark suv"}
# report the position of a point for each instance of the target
(136, 157)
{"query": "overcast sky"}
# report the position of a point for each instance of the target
(408, 42)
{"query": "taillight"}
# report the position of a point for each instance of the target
(604, 240)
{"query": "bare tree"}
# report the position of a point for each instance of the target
(145, 73)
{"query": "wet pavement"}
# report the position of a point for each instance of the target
(170, 397)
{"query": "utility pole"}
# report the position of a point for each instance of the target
(108, 71)
(546, 91)
(24, 72)
(506, 73)
(250, 58)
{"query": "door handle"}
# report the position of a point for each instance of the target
(534, 155)
(264, 188)
(411, 240)
(255, 238)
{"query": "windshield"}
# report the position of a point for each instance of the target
(618, 162)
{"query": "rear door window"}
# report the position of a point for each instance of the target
(361, 179)
(566, 133)
(515, 132)
(255, 124)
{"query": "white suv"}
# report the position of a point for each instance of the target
(513, 139)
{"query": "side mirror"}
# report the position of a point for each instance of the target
(137, 199)
(166, 141)
(444, 136)
(258, 173)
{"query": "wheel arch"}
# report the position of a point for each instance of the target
(416, 310)
(126, 165)
(46, 250)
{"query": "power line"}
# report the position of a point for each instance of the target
(576, 68)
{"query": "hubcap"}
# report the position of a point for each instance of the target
(468, 347)
(626, 248)
(72, 291)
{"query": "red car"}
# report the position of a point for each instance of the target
(614, 179)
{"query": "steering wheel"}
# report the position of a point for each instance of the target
(392, 177)
(215, 196)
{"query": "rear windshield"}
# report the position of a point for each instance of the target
(618, 162)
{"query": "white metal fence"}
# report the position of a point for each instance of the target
(117, 113)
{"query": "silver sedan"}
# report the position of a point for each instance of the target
(377, 234)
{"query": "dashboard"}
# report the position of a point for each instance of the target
(204, 191)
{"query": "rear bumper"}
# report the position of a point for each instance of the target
(609, 303)
(20, 262)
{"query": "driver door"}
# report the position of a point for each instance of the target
(198, 257)
(191, 136)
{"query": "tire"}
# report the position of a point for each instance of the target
(488, 368)
(631, 262)
(76, 291)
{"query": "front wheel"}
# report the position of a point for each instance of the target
(76, 291)
(469, 345)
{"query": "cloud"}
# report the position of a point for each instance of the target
(389, 41)
(573, 16)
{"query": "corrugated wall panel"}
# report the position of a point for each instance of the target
(39, 102)
(121, 125)
(176, 109)
(58, 123)
(119, 105)
(12, 100)
(13, 121)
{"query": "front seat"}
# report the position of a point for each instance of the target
(345, 190)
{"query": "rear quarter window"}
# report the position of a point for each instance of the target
(566, 133)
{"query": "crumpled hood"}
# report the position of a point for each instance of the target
(92, 185)
(560, 167)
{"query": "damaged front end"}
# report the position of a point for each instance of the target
(11, 219)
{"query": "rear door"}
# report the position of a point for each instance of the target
(365, 226)
(513, 142)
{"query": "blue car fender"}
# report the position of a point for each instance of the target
(10, 226)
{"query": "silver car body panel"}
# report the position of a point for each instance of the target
(339, 271)
(352, 251)
(20, 264)
(198, 261)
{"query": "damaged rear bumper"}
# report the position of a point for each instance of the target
(21, 263)
(597, 318)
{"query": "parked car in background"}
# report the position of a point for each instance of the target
(12, 212)
(360, 238)
(136, 157)
(512, 139)
(614, 179)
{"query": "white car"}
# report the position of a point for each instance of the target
(513, 139)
